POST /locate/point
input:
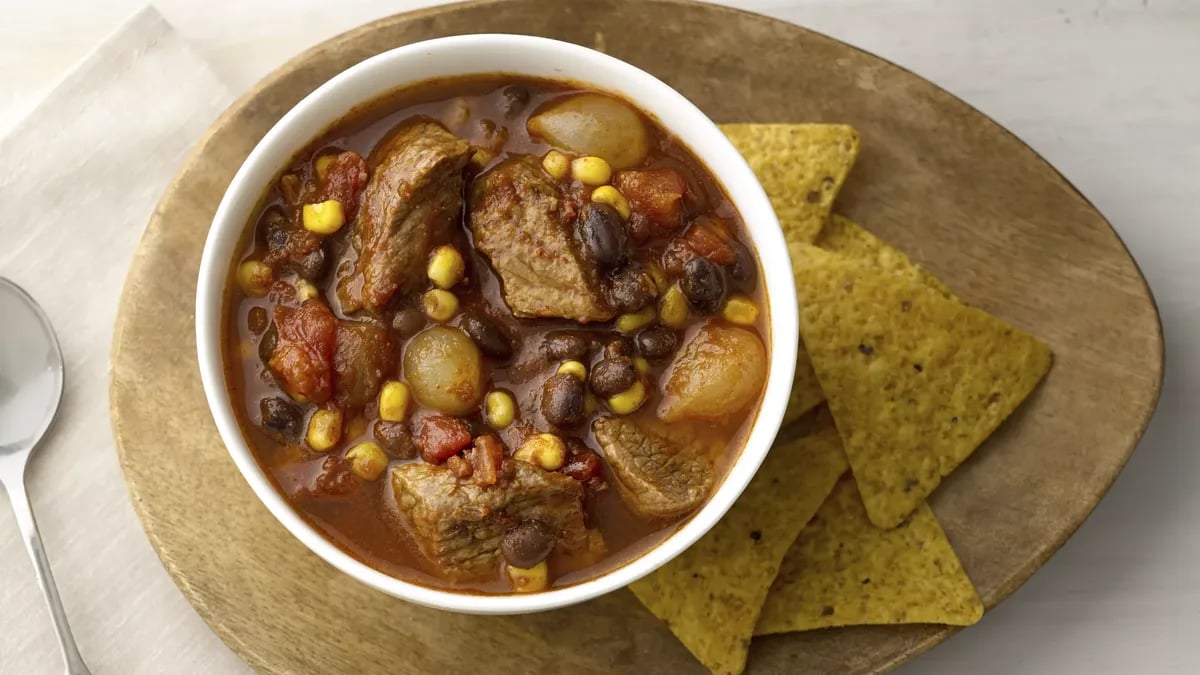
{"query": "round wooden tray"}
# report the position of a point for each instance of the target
(936, 178)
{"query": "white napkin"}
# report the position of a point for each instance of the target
(78, 180)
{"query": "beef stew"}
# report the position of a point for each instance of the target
(496, 334)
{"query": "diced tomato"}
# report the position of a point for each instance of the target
(585, 466)
(335, 479)
(709, 237)
(442, 437)
(344, 180)
(303, 355)
(675, 255)
(485, 458)
(655, 197)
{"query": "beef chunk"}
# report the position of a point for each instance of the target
(524, 225)
(657, 476)
(361, 362)
(302, 358)
(411, 204)
(458, 525)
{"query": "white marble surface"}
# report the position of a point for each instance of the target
(1108, 91)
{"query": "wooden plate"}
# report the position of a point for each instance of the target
(936, 178)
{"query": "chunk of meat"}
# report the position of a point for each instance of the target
(362, 360)
(656, 476)
(303, 356)
(524, 225)
(411, 204)
(458, 525)
(656, 199)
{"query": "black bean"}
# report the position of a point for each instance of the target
(408, 322)
(613, 376)
(257, 320)
(274, 228)
(280, 416)
(656, 342)
(601, 235)
(266, 344)
(631, 289)
(618, 345)
(312, 266)
(562, 400)
(396, 438)
(516, 98)
(491, 340)
(527, 544)
(703, 285)
(743, 268)
(561, 345)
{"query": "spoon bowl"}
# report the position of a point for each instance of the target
(31, 387)
(31, 371)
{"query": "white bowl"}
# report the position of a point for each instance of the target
(520, 55)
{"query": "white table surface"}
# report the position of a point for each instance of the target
(1108, 91)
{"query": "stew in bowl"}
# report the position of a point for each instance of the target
(496, 334)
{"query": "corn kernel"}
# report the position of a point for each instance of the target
(325, 218)
(591, 170)
(556, 164)
(661, 283)
(545, 450)
(628, 323)
(629, 400)
(499, 409)
(367, 460)
(674, 310)
(531, 580)
(255, 278)
(607, 194)
(590, 404)
(439, 305)
(641, 364)
(324, 429)
(573, 368)
(394, 401)
(740, 310)
(446, 267)
(306, 291)
(322, 165)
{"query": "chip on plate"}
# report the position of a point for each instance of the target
(844, 571)
(801, 167)
(842, 236)
(915, 381)
(711, 595)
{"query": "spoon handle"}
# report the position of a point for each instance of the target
(33, 544)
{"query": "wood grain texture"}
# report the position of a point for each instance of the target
(936, 178)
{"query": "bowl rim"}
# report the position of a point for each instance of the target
(675, 113)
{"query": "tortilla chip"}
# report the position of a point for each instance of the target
(801, 167)
(842, 236)
(853, 241)
(844, 571)
(915, 381)
(711, 595)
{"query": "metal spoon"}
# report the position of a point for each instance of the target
(31, 386)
